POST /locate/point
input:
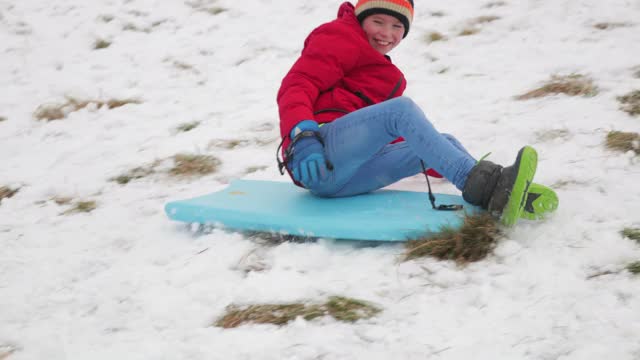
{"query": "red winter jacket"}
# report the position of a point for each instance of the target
(338, 72)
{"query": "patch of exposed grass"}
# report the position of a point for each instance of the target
(228, 144)
(495, 4)
(468, 31)
(631, 233)
(7, 192)
(81, 207)
(57, 111)
(101, 44)
(485, 19)
(437, 13)
(133, 174)
(135, 28)
(215, 10)
(634, 268)
(106, 18)
(340, 308)
(623, 141)
(434, 36)
(630, 103)
(2, 118)
(636, 72)
(192, 165)
(62, 200)
(571, 85)
(552, 134)
(472, 242)
(252, 169)
(610, 25)
(184, 127)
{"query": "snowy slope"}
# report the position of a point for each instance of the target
(124, 282)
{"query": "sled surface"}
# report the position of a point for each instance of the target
(281, 207)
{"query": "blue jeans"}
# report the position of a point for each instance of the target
(358, 146)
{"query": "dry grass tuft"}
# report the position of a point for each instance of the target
(184, 127)
(485, 19)
(101, 44)
(434, 36)
(229, 144)
(495, 4)
(631, 233)
(437, 13)
(634, 268)
(340, 308)
(468, 31)
(572, 85)
(472, 242)
(81, 207)
(133, 174)
(630, 103)
(2, 118)
(610, 25)
(215, 10)
(191, 165)
(48, 112)
(7, 192)
(623, 141)
(552, 134)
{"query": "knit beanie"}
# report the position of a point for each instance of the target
(400, 9)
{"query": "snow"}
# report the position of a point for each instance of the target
(124, 282)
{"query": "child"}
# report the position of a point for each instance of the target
(342, 112)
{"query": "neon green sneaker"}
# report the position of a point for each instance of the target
(541, 200)
(510, 194)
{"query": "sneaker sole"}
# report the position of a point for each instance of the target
(541, 200)
(527, 163)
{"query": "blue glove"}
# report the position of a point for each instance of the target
(308, 163)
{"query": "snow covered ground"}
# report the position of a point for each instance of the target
(123, 282)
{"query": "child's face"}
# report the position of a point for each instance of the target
(384, 32)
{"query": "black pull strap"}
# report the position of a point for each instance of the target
(432, 198)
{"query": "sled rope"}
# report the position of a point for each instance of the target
(432, 198)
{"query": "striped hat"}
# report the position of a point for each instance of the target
(401, 9)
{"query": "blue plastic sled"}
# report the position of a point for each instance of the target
(283, 208)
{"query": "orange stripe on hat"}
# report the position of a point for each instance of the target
(401, 9)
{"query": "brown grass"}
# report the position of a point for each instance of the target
(434, 36)
(630, 103)
(191, 165)
(468, 31)
(552, 134)
(634, 267)
(472, 242)
(133, 174)
(101, 44)
(572, 85)
(48, 112)
(7, 192)
(631, 233)
(610, 25)
(340, 308)
(81, 207)
(495, 4)
(485, 19)
(2, 118)
(184, 127)
(623, 141)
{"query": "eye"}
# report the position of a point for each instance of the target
(377, 22)
(398, 26)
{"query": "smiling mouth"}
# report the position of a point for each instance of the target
(382, 43)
